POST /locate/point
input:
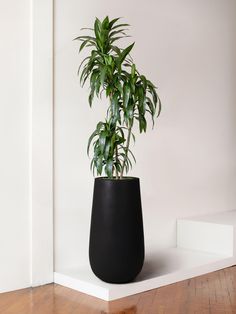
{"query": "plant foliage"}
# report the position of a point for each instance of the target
(110, 70)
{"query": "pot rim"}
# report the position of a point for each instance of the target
(124, 179)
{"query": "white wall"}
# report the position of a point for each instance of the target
(41, 142)
(14, 150)
(187, 164)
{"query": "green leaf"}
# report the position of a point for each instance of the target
(154, 95)
(119, 87)
(142, 123)
(109, 168)
(117, 165)
(150, 84)
(85, 28)
(160, 107)
(110, 60)
(112, 22)
(85, 79)
(102, 140)
(132, 155)
(93, 82)
(133, 136)
(103, 75)
(133, 70)
(108, 90)
(91, 96)
(124, 53)
(141, 99)
(117, 38)
(144, 81)
(99, 126)
(113, 139)
(126, 94)
(115, 107)
(116, 49)
(130, 111)
(83, 45)
(105, 23)
(97, 28)
(84, 73)
(121, 31)
(99, 164)
(107, 149)
(85, 37)
(94, 134)
(91, 164)
(151, 106)
(120, 25)
(120, 129)
(82, 64)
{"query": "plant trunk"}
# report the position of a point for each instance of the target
(117, 176)
(116, 153)
(126, 150)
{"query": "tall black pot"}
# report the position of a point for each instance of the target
(116, 248)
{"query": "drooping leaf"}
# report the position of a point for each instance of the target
(85, 59)
(88, 28)
(115, 107)
(116, 49)
(99, 164)
(83, 45)
(85, 37)
(112, 22)
(120, 25)
(103, 75)
(107, 149)
(109, 168)
(126, 94)
(121, 31)
(94, 134)
(117, 38)
(124, 53)
(160, 107)
(144, 81)
(102, 140)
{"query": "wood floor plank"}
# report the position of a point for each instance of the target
(213, 293)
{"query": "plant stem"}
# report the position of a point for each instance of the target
(126, 150)
(117, 177)
(116, 150)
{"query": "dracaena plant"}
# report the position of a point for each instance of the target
(111, 71)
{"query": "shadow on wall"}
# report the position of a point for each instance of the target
(233, 80)
(233, 71)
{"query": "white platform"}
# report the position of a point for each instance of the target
(204, 244)
(211, 233)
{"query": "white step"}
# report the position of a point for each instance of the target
(205, 244)
(211, 233)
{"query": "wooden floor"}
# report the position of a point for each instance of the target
(213, 293)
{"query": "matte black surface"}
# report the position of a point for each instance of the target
(116, 249)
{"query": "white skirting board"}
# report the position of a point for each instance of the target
(204, 244)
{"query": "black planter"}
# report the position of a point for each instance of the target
(116, 248)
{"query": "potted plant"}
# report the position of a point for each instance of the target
(116, 248)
